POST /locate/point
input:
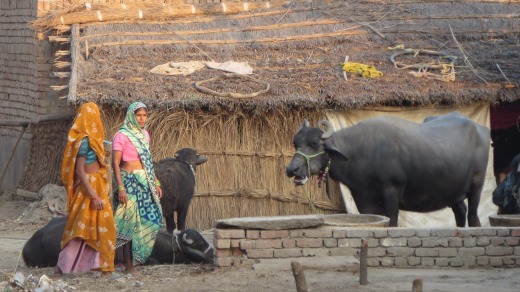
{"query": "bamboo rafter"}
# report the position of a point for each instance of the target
(291, 38)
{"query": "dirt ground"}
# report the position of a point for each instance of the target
(15, 229)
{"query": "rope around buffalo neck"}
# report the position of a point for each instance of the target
(308, 159)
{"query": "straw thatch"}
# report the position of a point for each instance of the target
(298, 48)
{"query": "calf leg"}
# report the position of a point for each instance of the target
(170, 222)
(181, 217)
(459, 210)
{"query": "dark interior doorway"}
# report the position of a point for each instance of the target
(505, 135)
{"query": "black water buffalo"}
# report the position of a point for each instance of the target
(43, 248)
(390, 164)
(177, 177)
(507, 194)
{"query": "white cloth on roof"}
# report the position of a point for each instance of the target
(232, 67)
(178, 68)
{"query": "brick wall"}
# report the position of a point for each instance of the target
(388, 247)
(26, 60)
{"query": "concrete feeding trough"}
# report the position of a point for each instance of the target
(505, 220)
(356, 220)
(272, 223)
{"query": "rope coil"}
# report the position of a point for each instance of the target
(204, 89)
(447, 70)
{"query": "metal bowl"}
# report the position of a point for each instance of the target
(505, 220)
(357, 220)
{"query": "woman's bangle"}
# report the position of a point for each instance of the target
(120, 188)
(157, 183)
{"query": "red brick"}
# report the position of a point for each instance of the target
(288, 253)
(318, 233)
(339, 233)
(268, 243)
(513, 241)
(274, 233)
(515, 232)
(288, 243)
(252, 234)
(309, 242)
(222, 253)
(235, 242)
(260, 253)
(297, 233)
(247, 244)
(222, 243)
(229, 233)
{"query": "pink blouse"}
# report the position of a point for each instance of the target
(123, 144)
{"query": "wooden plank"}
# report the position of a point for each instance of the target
(28, 195)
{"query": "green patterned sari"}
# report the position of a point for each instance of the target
(140, 219)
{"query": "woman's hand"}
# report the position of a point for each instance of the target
(96, 203)
(123, 198)
(159, 192)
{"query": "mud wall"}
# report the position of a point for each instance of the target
(387, 247)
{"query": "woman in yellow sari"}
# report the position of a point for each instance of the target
(89, 239)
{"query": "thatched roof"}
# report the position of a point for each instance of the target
(298, 48)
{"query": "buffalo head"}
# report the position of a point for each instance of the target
(195, 246)
(190, 156)
(310, 157)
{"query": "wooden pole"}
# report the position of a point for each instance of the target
(74, 57)
(363, 276)
(299, 276)
(417, 285)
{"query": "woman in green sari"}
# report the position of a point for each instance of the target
(138, 213)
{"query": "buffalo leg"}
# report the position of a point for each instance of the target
(391, 204)
(473, 201)
(459, 210)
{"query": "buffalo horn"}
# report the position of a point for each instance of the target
(305, 124)
(185, 239)
(328, 127)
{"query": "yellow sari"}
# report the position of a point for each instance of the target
(96, 228)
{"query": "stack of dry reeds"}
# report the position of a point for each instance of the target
(146, 10)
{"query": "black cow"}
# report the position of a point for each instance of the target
(43, 248)
(390, 163)
(507, 194)
(177, 177)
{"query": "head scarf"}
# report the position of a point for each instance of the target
(130, 125)
(86, 124)
(135, 134)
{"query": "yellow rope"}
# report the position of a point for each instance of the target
(367, 71)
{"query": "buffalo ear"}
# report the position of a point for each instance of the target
(336, 147)
(305, 124)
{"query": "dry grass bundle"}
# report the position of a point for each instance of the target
(245, 174)
(84, 13)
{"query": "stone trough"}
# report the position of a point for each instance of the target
(505, 220)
